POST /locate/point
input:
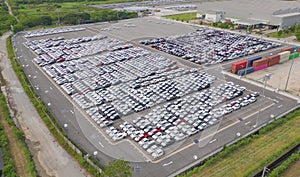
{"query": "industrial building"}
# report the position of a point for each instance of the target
(272, 13)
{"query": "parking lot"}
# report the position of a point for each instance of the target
(209, 46)
(141, 104)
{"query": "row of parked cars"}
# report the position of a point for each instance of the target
(56, 50)
(129, 79)
(45, 32)
(124, 79)
(208, 46)
(174, 121)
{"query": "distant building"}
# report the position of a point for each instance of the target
(274, 14)
(214, 15)
(288, 20)
(139, 10)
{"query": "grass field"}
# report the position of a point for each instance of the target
(280, 35)
(254, 155)
(50, 9)
(182, 17)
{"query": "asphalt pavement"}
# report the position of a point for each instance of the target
(91, 138)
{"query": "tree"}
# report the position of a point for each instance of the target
(279, 33)
(118, 168)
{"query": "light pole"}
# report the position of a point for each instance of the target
(66, 127)
(95, 154)
(288, 77)
(265, 79)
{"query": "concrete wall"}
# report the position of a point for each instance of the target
(288, 21)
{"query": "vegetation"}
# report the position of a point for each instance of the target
(251, 154)
(13, 138)
(223, 25)
(41, 14)
(9, 168)
(285, 165)
(118, 168)
(44, 113)
(22, 2)
(5, 18)
(292, 31)
(182, 17)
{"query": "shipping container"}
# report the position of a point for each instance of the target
(260, 62)
(245, 71)
(251, 60)
(284, 56)
(273, 60)
(294, 55)
(290, 49)
(296, 48)
(238, 65)
(257, 68)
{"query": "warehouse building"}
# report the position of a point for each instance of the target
(272, 13)
(214, 15)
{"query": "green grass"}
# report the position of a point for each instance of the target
(288, 167)
(66, 13)
(182, 17)
(281, 35)
(251, 154)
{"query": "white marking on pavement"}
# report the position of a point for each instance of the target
(101, 144)
(212, 141)
(247, 122)
(166, 164)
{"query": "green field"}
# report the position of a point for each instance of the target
(66, 13)
(253, 153)
(5, 18)
(182, 17)
(280, 35)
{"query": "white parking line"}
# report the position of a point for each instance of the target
(101, 144)
(212, 141)
(166, 164)
(247, 122)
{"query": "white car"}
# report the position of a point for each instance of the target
(157, 153)
(119, 136)
(152, 149)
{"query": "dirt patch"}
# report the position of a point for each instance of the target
(15, 148)
(293, 171)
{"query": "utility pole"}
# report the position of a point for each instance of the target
(265, 79)
(288, 77)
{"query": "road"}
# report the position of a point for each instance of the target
(50, 158)
(91, 138)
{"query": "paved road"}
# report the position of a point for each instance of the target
(87, 135)
(51, 158)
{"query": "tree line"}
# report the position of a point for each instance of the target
(18, 2)
(72, 19)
